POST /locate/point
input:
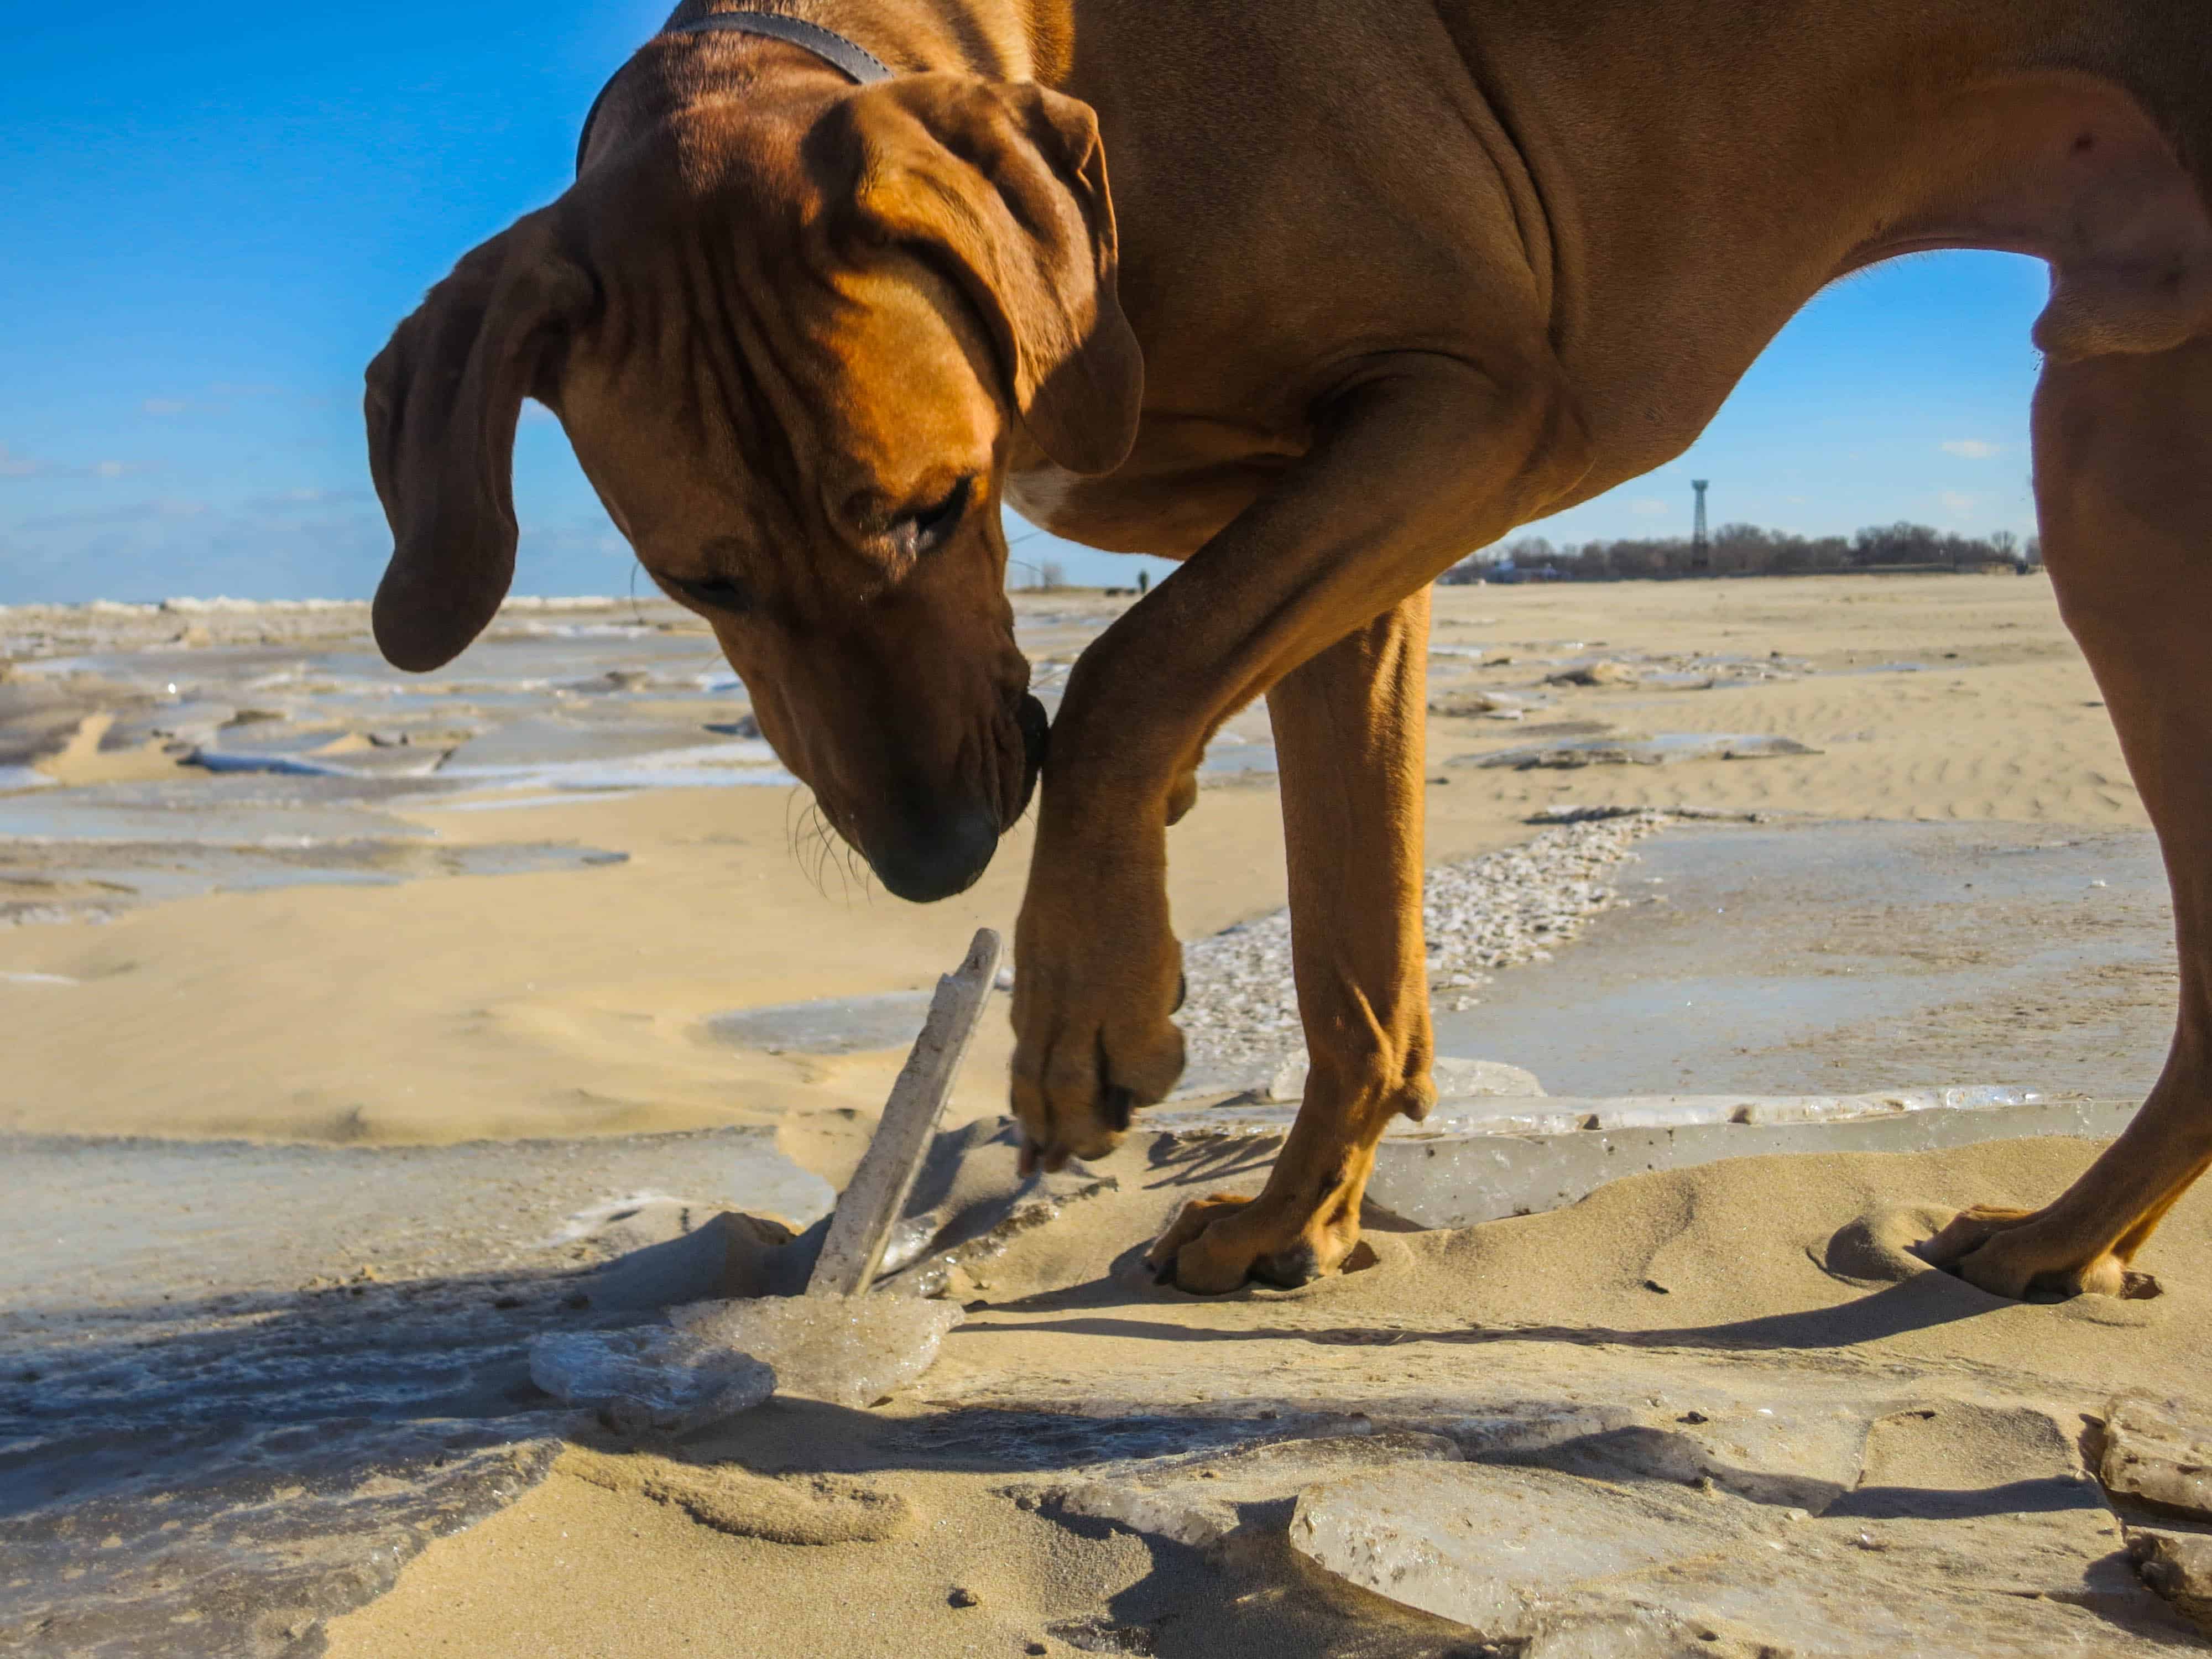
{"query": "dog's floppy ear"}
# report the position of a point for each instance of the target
(442, 403)
(1005, 183)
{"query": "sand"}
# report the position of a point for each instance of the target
(570, 1004)
(1680, 1288)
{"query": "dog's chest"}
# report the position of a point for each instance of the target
(1168, 499)
(1043, 497)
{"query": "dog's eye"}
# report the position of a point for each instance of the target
(718, 594)
(918, 532)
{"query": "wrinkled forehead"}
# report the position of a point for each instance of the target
(907, 379)
(707, 411)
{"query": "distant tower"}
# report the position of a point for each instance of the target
(1701, 544)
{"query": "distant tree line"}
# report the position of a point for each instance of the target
(1745, 549)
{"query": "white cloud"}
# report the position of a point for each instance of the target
(1650, 507)
(165, 406)
(13, 465)
(1973, 449)
(1958, 500)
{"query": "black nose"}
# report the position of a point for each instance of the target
(937, 857)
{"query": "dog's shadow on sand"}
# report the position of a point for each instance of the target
(1893, 1310)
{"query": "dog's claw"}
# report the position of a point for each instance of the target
(1116, 1105)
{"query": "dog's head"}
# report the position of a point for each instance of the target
(796, 339)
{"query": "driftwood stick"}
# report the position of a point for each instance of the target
(873, 1202)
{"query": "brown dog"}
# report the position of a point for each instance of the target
(1376, 281)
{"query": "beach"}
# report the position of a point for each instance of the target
(569, 1001)
(270, 907)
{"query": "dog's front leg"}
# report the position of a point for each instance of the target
(1421, 457)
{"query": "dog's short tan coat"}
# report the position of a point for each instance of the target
(1371, 283)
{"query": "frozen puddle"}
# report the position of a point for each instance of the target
(1783, 959)
(298, 750)
(88, 854)
(295, 735)
(1240, 1017)
(249, 812)
(531, 753)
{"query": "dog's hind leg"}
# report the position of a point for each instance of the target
(2123, 485)
(1348, 739)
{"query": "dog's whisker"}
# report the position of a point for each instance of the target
(863, 874)
(810, 836)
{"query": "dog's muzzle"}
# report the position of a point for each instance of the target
(934, 854)
(939, 857)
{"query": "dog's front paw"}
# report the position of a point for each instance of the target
(1097, 974)
(1216, 1243)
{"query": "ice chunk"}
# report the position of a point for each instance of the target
(1497, 1549)
(851, 1349)
(2161, 1451)
(649, 1378)
(1454, 1078)
(1202, 1500)
(1555, 1566)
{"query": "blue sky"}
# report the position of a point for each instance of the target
(215, 214)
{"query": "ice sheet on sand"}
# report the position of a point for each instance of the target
(850, 1350)
(652, 1378)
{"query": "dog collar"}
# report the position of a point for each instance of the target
(831, 47)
